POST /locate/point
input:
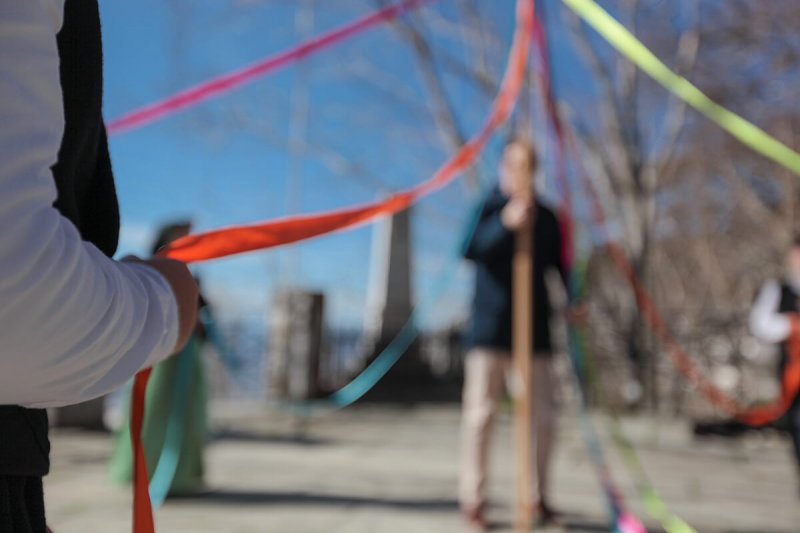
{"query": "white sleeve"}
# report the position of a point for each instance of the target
(73, 323)
(766, 322)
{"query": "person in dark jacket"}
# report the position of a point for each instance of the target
(488, 358)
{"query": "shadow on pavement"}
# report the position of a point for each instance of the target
(268, 438)
(300, 499)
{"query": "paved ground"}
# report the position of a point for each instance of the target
(391, 470)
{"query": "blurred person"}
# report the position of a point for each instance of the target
(74, 323)
(164, 408)
(488, 359)
(774, 318)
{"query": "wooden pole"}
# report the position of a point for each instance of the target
(522, 349)
(522, 336)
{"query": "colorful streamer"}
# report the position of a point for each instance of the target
(269, 234)
(579, 355)
(649, 496)
(238, 239)
(622, 520)
(227, 82)
(653, 503)
(760, 415)
(754, 416)
(628, 45)
(761, 142)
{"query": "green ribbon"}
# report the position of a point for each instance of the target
(647, 493)
(628, 45)
(652, 501)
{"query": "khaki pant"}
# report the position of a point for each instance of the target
(485, 373)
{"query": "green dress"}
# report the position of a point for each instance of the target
(159, 404)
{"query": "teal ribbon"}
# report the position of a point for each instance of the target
(389, 357)
(168, 460)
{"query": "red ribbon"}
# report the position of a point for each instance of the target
(142, 509)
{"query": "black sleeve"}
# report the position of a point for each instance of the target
(559, 252)
(490, 235)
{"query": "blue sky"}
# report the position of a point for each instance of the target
(227, 160)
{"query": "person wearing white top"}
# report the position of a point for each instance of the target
(777, 303)
(74, 324)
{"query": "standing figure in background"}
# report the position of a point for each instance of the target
(176, 394)
(488, 359)
(774, 318)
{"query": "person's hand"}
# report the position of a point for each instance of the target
(185, 289)
(517, 213)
